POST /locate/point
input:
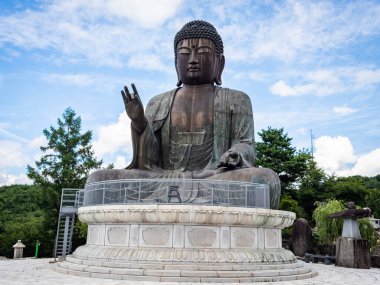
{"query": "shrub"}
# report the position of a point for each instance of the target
(328, 230)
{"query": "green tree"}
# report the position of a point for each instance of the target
(347, 189)
(372, 182)
(23, 215)
(275, 151)
(68, 157)
(328, 230)
(372, 201)
(312, 188)
(66, 162)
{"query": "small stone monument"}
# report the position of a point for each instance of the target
(301, 237)
(18, 249)
(351, 250)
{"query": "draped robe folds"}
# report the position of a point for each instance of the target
(233, 129)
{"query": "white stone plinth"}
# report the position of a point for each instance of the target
(200, 241)
(185, 233)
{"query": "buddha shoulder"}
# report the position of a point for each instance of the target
(232, 93)
(159, 106)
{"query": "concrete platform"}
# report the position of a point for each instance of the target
(39, 271)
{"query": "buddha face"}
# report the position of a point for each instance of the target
(197, 62)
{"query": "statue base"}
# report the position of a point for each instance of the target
(353, 253)
(185, 243)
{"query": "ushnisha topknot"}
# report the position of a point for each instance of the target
(199, 29)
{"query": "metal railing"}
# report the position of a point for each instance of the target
(174, 191)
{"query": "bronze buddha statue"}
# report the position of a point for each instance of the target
(198, 130)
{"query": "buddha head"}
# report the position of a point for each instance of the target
(199, 55)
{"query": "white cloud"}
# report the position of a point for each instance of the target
(95, 31)
(8, 134)
(148, 13)
(9, 179)
(37, 142)
(12, 154)
(69, 79)
(146, 61)
(253, 75)
(367, 164)
(114, 137)
(367, 77)
(282, 89)
(112, 32)
(344, 110)
(336, 155)
(121, 162)
(301, 28)
(324, 82)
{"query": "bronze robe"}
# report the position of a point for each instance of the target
(233, 129)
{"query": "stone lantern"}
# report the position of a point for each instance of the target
(18, 249)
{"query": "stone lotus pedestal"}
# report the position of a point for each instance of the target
(185, 242)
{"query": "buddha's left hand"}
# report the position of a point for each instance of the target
(230, 159)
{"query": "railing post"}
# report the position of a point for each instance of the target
(125, 196)
(212, 196)
(139, 192)
(65, 235)
(76, 202)
(228, 195)
(104, 192)
(246, 196)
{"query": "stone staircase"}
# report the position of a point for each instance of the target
(66, 220)
(185, 272)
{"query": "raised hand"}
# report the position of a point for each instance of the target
(134, 108)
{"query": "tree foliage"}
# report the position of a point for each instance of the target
(25, 214)
(276, 152)
(347, 189)
(287, 203)
(372, 201)
(372, 198)
(66, 162)
(312, 188)
(68, 157)
(328, 230)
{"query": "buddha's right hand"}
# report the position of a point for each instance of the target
(134, 108)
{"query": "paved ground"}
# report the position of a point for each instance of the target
(38, 271)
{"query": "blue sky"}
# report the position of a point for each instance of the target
(305, 64)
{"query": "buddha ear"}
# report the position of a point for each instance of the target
(179, 81)
(219, 69)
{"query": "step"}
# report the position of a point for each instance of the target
(187, 275)
(189, 266)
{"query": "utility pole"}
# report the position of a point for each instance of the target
(312, 143)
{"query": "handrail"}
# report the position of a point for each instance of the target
(183, 191)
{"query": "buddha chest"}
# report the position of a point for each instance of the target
(191, 129)
(193, 110)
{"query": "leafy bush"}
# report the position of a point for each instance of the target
(367, 231)
(328, 230)
(25, 214)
